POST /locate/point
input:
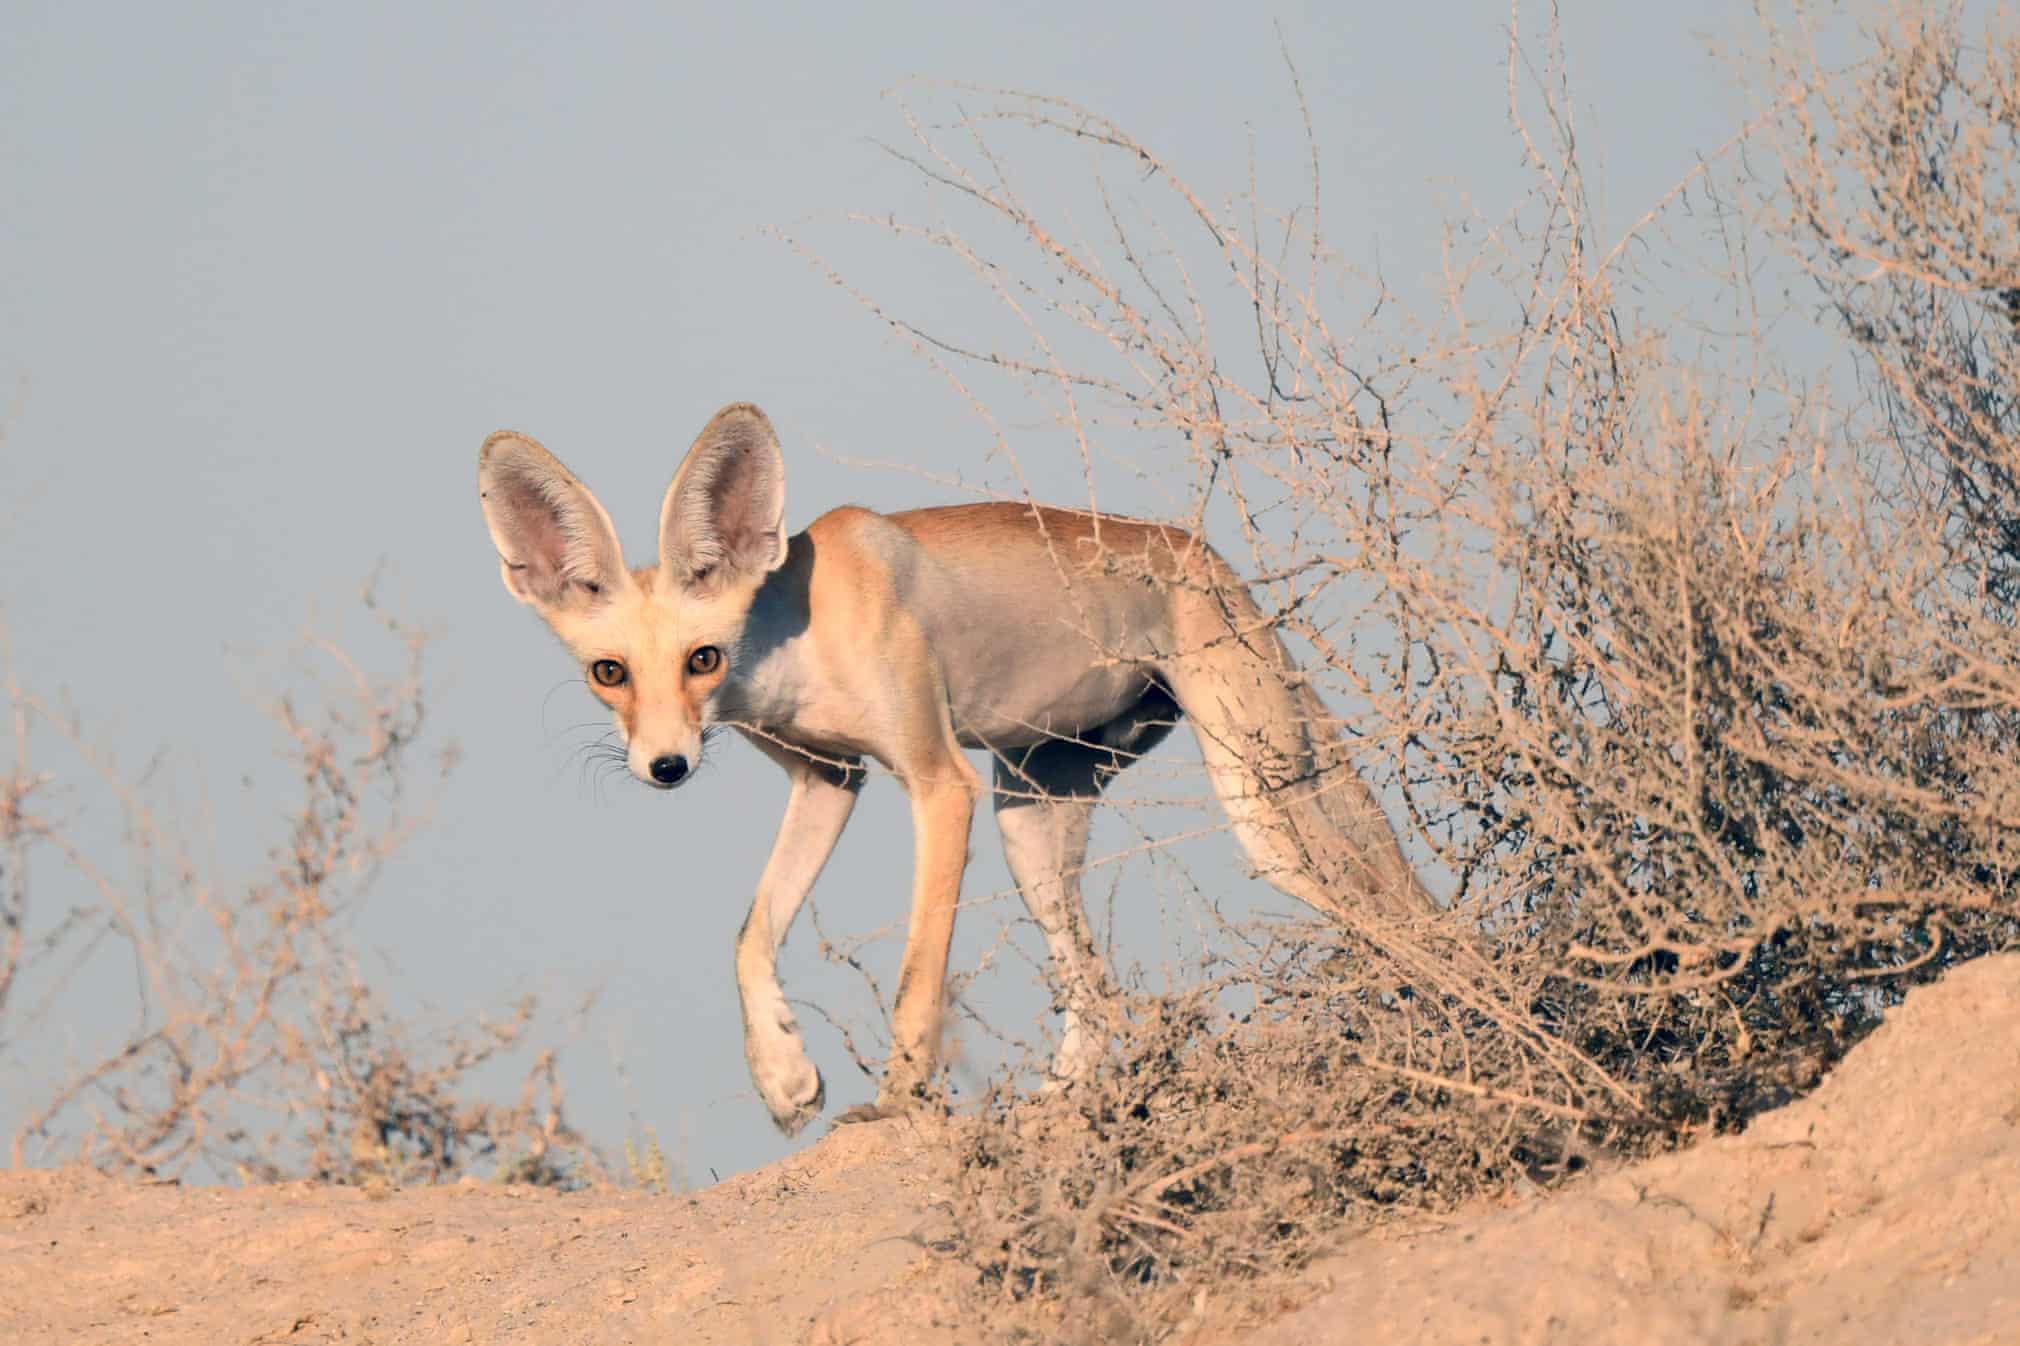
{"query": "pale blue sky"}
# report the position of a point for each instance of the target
(270, 273)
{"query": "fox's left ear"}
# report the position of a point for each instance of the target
(724, 515)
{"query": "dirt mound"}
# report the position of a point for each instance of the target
(1883, 1208)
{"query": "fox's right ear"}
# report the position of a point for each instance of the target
(555, 543)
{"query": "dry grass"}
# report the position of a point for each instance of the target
(1692, 672)
(258, 1049)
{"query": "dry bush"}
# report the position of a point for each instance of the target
(258, 1049)
(1694, 675)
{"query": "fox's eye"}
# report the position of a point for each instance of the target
(608, 672)
(704, 661)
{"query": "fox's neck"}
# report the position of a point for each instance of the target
(772, 662)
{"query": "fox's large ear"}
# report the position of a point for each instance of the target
(555, 543)
(724, 515)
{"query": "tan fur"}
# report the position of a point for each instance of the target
(1064, 643)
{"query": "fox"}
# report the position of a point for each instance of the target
(1063, 643)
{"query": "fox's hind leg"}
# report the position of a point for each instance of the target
(1044, 797)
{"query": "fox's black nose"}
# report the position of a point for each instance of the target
(669, 770)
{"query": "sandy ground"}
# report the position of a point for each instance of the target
(753, 1260)
(1884, 1208)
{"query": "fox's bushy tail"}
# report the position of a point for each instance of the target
(1302, 811)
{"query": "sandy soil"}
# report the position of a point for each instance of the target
(1883, 1208)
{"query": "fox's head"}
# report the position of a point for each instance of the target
(656, 644)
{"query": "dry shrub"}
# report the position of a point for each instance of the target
(1693, 675)
(1204, 1151)
(258, 1047)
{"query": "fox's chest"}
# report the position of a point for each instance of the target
(786, 696)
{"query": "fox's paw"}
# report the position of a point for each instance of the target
(1079, 1054)
(892, 1103)
(868, 1112)
(793, 1092)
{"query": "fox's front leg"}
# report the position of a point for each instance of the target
(943, 789)
(822, 798)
